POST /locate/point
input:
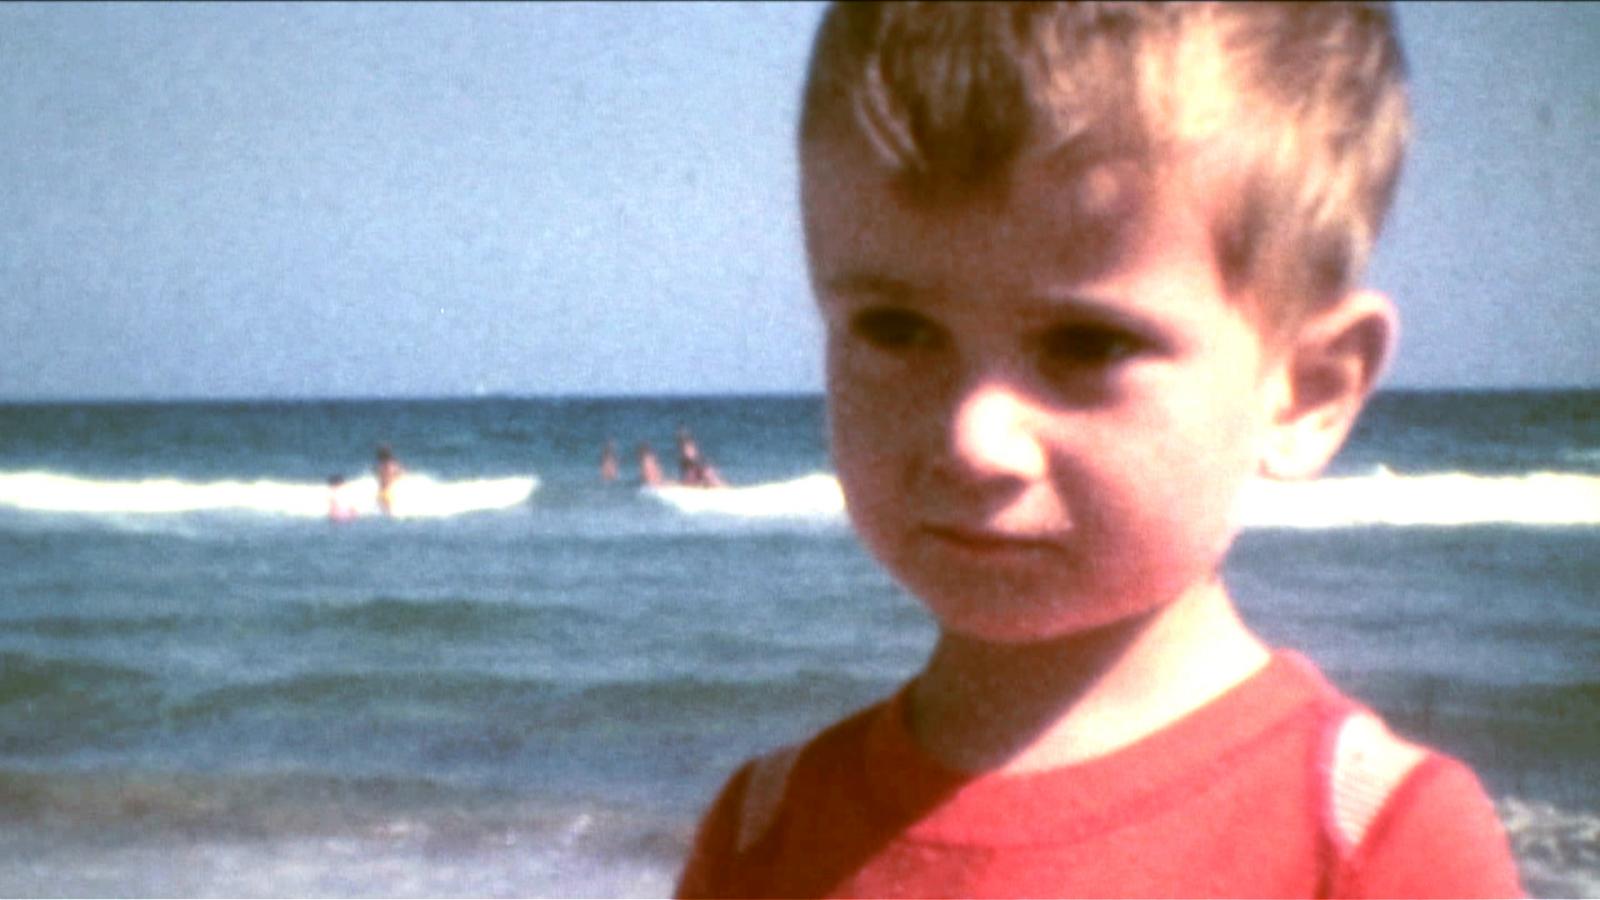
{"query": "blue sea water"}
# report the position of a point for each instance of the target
(530, 683)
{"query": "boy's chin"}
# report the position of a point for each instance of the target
(1018, 624)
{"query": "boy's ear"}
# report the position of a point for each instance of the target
(1329, 368)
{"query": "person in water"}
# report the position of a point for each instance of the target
(608, 462)
(388, 471)
(1084, 272)
(693, 469)
(341, 508)
(649, 467)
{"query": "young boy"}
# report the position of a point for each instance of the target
(1085, 272)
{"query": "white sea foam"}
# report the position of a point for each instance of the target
(1379, 498)
(1376, 499)
(1443, 499)
(414, 496)
(1557, 849)
(814, 496)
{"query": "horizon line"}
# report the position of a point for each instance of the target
(755, 394)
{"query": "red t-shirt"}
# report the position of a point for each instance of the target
(1232, 800)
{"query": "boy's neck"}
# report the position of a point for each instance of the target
(1014, 708)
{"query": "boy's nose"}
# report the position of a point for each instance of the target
(991, 434)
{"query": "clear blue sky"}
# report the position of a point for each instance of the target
(400, 200)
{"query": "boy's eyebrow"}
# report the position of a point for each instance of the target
(1051, 301)
(1080, 303)
(868, 283)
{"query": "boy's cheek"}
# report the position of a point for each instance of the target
(860, 429)
(860, 376)
(880, 409)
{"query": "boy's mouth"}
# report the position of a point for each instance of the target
(984, 541)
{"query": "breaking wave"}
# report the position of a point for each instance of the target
(1382, 498)
(414, 496)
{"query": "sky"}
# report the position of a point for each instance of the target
(374, 200)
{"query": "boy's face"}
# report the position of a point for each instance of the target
(1042, 404)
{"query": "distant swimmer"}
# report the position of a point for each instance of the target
(688, 455)
(340, 507)
(704, 474)
(389, 471)
(608, 462)
(649, 467)
(693, 470)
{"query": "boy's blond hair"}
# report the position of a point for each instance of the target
(1289, 120)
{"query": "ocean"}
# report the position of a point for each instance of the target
(528, 682)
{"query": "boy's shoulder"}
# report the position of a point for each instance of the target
(1359, 759)
(835, 750)
(870, 756)
(1367, 795)
(1362, 763)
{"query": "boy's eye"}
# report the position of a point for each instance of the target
(1088, 345)
(894, 329)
